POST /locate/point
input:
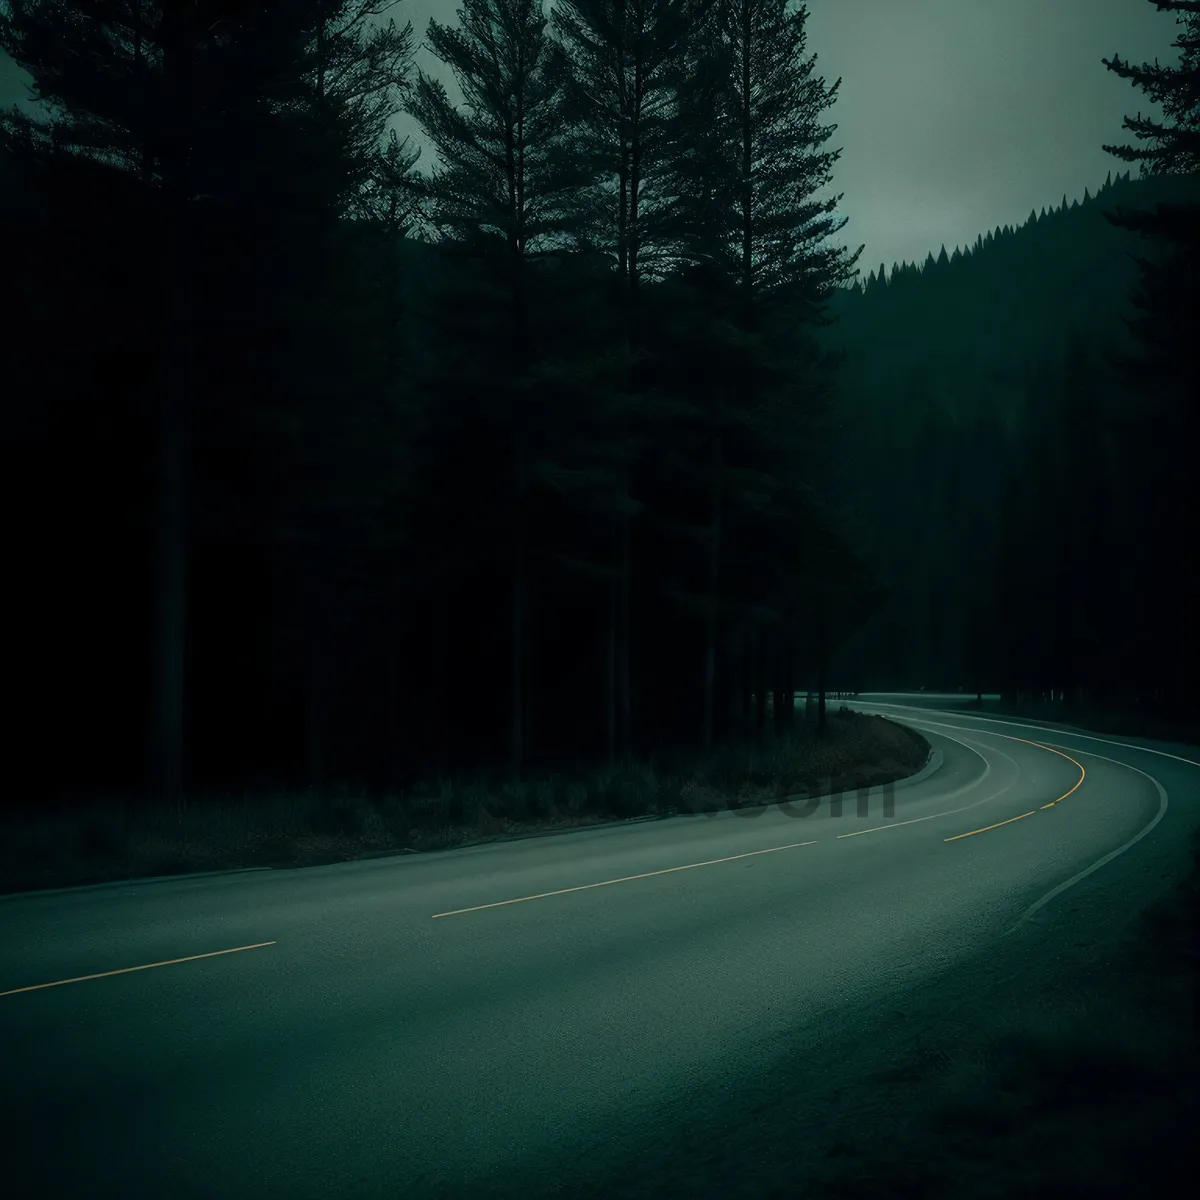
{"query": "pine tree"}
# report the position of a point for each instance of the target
(507, 177)
(207, 118)
(768, 154)
(130, 92)
(1166, 368)
(625, 59)
(1167, 296)
(1174, 147)
(358, 75)
(776, 240)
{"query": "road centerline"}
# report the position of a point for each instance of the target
(1011, 738)
(169, 962)
(583, 887)
(972, 746)
(1022, 816)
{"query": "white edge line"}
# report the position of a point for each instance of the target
(1133, 841)
(948, 712)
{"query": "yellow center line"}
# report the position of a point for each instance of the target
(624, 879)
(125, 970)
(892, 825)
(1051, 804)
(997, 825)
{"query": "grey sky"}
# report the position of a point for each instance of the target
(955, 116)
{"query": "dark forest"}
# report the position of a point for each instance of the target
(466, 604)
(587, 442)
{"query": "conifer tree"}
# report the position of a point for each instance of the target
(1174, 142)
(507, 177)
(768, 160)
(130, 92)
(1166, 369)
(625, 60)
(206, 117)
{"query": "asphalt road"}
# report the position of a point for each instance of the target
(696, 1003)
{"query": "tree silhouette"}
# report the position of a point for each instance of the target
(1166, 368)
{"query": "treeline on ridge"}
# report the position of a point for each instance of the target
(1030, 503)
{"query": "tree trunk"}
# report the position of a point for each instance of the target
(624, 657)
(629, 337)
(748, 681)
(610, 708)
(520, 588)
(314, 710)
(760, 687)
(736, 697)
(822, 664)
(789, 684)
(170, 568)
(710, 616)
(396, 733)
(441, 680)
(519, 730)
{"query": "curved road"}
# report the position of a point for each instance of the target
(698, 1003)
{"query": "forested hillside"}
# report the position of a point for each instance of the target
(1017, 482)
(322, 466)
(324, 469)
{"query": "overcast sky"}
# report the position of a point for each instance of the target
(955, 116)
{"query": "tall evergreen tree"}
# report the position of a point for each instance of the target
(1167, 298)
(1166, 367)
(207, 115)
(119, 82)
(1174, 143)
(776, 239)
(768, 153)
(508, 172)
(626, 59)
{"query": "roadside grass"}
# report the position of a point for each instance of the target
(110, 840)
(1092, 1094)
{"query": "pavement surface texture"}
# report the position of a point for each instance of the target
(697, 1005)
